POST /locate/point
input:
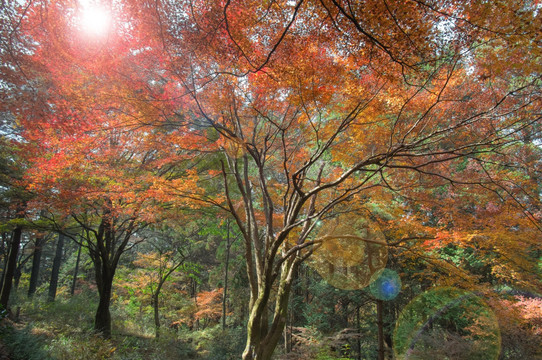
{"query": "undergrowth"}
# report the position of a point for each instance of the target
(22, 344)
(62, 330)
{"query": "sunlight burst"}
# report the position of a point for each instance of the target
(95, 20)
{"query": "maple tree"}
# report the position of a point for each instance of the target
(170, 254)
(103, 200)
(209, 305)
(97, 167)
(323, 107)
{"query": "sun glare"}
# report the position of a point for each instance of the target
(95, 20)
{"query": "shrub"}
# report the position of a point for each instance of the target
(217, 344)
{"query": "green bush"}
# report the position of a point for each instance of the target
(217, 344)
(227, 344)
(81, 347)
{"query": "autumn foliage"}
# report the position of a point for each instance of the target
(419, 118)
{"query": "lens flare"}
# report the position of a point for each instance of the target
(447, 323)
(385, 285)
(350, 252)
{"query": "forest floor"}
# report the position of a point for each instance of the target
(63, 331)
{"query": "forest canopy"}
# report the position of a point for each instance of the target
(315, 177)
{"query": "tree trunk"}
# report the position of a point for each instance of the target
(261, 341)
(19, 269)
(17, 277)
(156, 296)
(5, 255)
(72, 291)
(102, 320)
(358, 331)
(156, 304)
(254, 347)
(226, 265)
(4, 269)
(11, 266)
(156, 313)
(56, 268)
(36, 263)
(381, 350)
(104, 281)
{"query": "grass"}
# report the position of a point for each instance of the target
(23, 344)
(62, 330)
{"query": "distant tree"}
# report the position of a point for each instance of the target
(39, 242)
(11, 266)
(170, 253)
(57, 262)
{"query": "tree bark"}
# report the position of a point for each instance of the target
(11, 266)
(56, 268)
(155, 302)
(261, 340)
(72, 291)
(5, 255)
(4, 269)
(155, 305)
(358, 325)
(226, 265)
(156, 295)
(379, 311)
(36, 263)
(104, 281)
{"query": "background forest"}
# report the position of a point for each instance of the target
(311, 179)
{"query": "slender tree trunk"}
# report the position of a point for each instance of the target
(155, 305)
(56, 268)
(11, 266)
(36, 263)
(105, 249)
(381, 350)
(4, 269)
(19, 269)
(72, 291)
(358, 325)
(194, 289)
(5, 254)
(389, 321)
(226, 265)
(285, 331)
(156, 295)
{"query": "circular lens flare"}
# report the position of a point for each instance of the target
(351, 251)
(385, 284)
(447, 323)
